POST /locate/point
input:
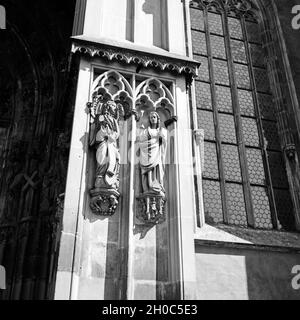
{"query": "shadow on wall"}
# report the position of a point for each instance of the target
(157, 8)
(269, 275)
(107, 264)
(243, 274)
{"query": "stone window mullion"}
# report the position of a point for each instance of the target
(263, 146)
(216, 118)
(238, 126)
(244, 178)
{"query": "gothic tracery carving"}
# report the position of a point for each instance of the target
(189, 68)
(154, 102)
(237, 7)
(112, 103)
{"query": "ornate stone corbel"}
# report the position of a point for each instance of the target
(290, 151)
(104, 202)
(151, 208)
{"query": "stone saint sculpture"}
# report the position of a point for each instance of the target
(104, 135)
(152, 143)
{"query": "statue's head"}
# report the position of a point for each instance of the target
(109, 108)
(154, 120)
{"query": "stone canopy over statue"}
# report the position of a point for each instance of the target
(113, 103)
(152, 146)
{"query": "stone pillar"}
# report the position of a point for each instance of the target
(162, 256)
(71, 236)
(118, 256)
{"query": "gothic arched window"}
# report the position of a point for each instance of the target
(244, 180)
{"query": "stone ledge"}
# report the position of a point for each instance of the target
(228, 236)
(129, 53)
(243, 246)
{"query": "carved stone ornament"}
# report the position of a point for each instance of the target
(151, 209)
(290, 151)
(155, 104)
(178, 65)
(104, 202)
(234, 7)
(112, 103)
(104, 135)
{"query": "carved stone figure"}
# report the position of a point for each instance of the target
(104, 135)
(152, 143)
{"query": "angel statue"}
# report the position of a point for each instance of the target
(104, 135)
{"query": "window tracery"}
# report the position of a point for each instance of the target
(244, 173)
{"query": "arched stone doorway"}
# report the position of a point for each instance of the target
(34, 66)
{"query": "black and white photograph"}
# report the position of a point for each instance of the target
(149, 154)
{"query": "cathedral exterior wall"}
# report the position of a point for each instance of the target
(219, 219)
(238, 272)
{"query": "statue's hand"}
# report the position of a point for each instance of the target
(110, 139)
(136, 115)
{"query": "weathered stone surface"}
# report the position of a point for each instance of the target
(145, 263)
(244, 274)
(98, 289)
(37, 103)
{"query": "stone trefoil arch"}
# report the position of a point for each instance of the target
(111, 103)
(153, 100)
(235, 7)
(115, 101)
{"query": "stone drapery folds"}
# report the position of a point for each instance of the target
(113, 103)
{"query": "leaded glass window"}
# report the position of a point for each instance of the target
(244, 178)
